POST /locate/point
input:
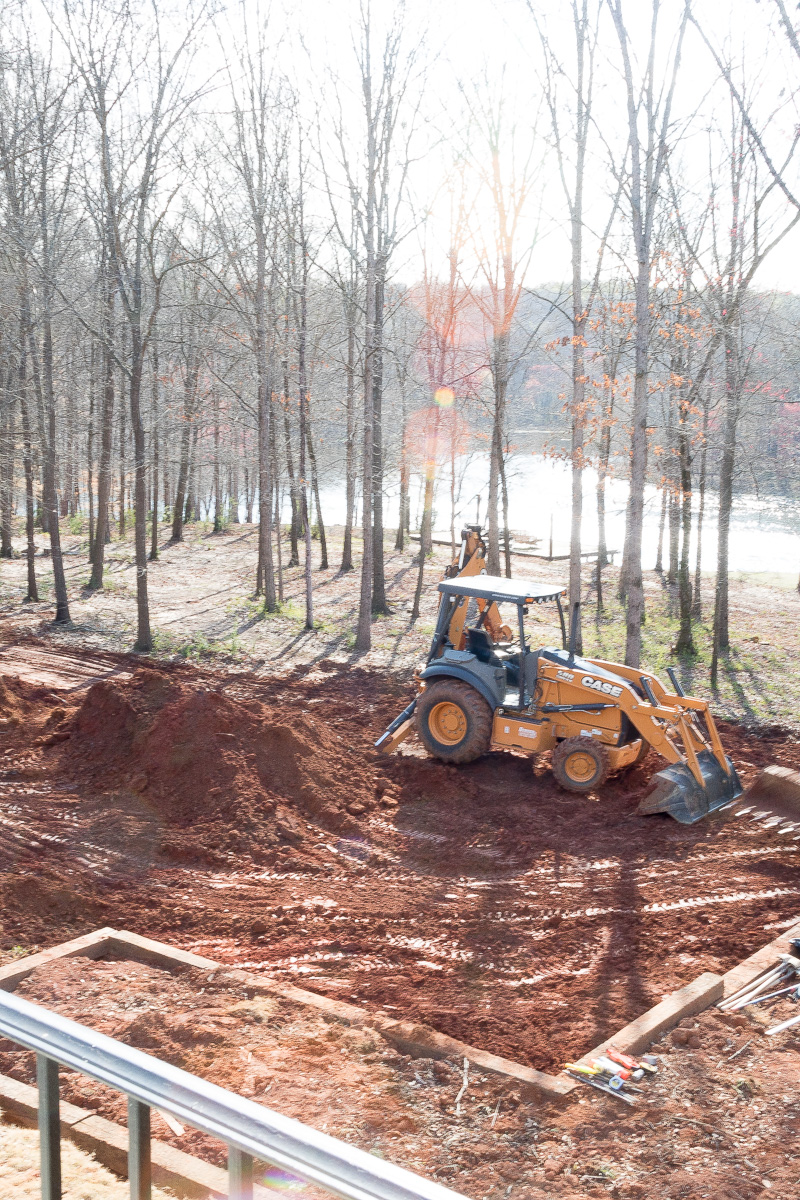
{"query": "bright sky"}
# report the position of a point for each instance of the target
(489, 44)
(472, 40)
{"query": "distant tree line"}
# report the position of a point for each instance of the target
(223, 287)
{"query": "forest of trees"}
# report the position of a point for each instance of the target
(234, 270)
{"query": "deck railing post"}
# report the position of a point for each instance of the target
(240, 1175)
(49, 1127)
(139, 1169)
(251, 1132)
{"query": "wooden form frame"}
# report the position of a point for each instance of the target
(191, 1177)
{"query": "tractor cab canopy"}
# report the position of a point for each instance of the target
(491, 590)
(503, 591)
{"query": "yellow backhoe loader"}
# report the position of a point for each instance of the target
(483, 688)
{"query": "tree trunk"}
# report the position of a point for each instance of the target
(425, 540)
(302, 382)
(350, 445)
(7, 461)
(62, 616)
(218, 519)
(278, 548)
(499, 357)
(122, 448)
(379, 604)
(602, 541)
(323, 542)
(266, 571)
(506, 531)
(632, 567)
(697, 600)
(248, 499)
(294, 496)
(90, 449)
(685, 643)
(404, 504)
(659, 567)
(32, 594)
(721, 633)
(233, 494)
(154, 490)
(144, 637)
(181, 487)
(104, 475)
(364, 628)
(674, 524)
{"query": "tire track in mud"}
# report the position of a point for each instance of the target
(526, 928)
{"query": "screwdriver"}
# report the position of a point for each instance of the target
(589, 1078)
(629, 1063)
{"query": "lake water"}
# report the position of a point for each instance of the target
(765, 533)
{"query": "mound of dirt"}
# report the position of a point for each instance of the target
(27, 708)
(202, 762)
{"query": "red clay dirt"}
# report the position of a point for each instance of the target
(249, 819)
(719, 1121)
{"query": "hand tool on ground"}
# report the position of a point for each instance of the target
(783, 1025)
(591, 1081)
(482, 688)
(793, 987)
(778, 975)
(625, 1060)
(605, 1063)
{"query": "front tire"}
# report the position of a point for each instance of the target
(580, 764)
(454, 721)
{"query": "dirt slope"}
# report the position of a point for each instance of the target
(249, 819)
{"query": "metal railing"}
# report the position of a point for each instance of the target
(249, 1130)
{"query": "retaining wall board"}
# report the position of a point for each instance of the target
(763, 960)
(648, 1028)
(172, 1168)
(417, 1040)
(21, 1101)
(91, 945)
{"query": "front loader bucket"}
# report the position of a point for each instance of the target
(774, 798)
(678, 793)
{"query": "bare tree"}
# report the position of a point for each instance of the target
(135, 161)
(649, 111)
(572, 173)
(504, 248)
(37, 155)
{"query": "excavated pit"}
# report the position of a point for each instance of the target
(249, 819)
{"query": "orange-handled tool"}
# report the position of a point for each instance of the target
(624, 1060)
(606, 1063)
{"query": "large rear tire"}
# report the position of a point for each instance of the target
(580, 764)
(454, 721)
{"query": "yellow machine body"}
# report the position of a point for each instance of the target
(484, 689)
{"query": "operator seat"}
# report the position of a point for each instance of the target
(481, 645)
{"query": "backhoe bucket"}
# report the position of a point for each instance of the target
(678, 793)
(774, 798)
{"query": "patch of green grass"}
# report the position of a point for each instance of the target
(198, 647)
(77, 524)
(752, 682)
